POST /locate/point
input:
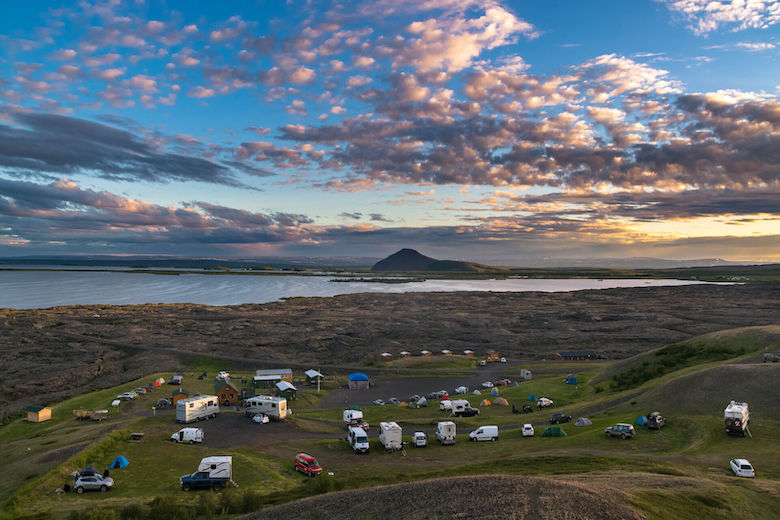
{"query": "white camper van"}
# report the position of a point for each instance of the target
(390, 435)
(273, 407)
(357, 439)
(188, 435)
(484, 433)
(445, 406)
(197, 408)
(737, 417)
(445, 432)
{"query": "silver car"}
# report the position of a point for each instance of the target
(93, 483)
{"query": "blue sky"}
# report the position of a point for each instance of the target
(478, 130)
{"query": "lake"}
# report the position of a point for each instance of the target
(41, 289)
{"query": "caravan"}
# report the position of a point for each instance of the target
(273, 407)
(390, 435)
(197, 408)
(445, 432)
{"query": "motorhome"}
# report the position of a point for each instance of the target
(462, 408)
(445, 432)
(213, 472)
(188, 435)
(357, 439)
(390, 435)
(197, 408)
(272, 406)
(484, 433)
(736, 416)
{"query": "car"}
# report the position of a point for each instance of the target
(414, 398)
(558, 418)
(487, 384)
(93, 483)
(307, 464)
(126, 396)
(164, 403)
(140, 390)
(503, 360)
(622, 430)
(260, 418)
(543, 402)
(442, 394)
(655, 421)
(528, 430)
(432, 395)
(742, 468)
(393, 400)
(379, 402)
(462, 390)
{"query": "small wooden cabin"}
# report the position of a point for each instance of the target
(179, 394)
(38, 414)
(226, 392)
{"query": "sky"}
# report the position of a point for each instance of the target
(478, 130)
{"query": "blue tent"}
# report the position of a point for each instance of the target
(494, 392)
(358, 376)
(641, 420)
(533, 398)
(570, 380)
(119, 462)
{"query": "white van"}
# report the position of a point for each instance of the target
(274, 407)
(197, 408)
(484, 433)
(188, 435)
(357, 439)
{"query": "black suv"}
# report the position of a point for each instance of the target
(558, 418)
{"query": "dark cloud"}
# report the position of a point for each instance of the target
(353, 216)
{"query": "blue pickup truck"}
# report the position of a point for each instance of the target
(213, 473)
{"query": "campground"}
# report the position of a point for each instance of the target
(678, 470)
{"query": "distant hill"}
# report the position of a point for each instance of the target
(411, 260)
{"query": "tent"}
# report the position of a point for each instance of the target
(422, 402)
(494, 392)
(570, 380)
(158, 382)
(119, 462)
(641, 420)
(533, 398)
(553, 431)
(485, 402)
(583, 421)
(500, 401)
(476, 392)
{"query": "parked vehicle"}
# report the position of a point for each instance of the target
(484, 433)
(391, 436)
(95, 415)
(445, 432)
(543, 402)
(419, 439)
(126, 396)
(140, 390)
(164, 403)
(482, 363)
(274, 407)
(357, 439)
(462, 390)
(414, 398)
(354, 418)
(445, 406)
(462, 408)
(393, 400)
(622, 430)
(176, 379)
(742, 468)
(487, 384)
(188, 435)
(432, 395)
(213, 473)
(655, 421)
(379, 402)
(307, 464)
(736, 416)
(223, 375)
(260, 418)
(558, 418)
(198, 408)
(93, 483)
(528, 430)
(503, 360)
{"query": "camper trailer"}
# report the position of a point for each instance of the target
(357, 439)
(273, 407)
(213, 472)
(390, 435)
(445, 432)
(197, 408)
(188, 435)
(736, 416)
(462, 408)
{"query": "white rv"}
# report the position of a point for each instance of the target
(274, 407)
(188, 435)
(736, 416)
(197, 408)
(390, 435)
(445, 406)
(357, 439)
(445, 432)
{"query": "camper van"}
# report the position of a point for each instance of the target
(188, 435)
(462, 408)
(197, 408)
(484, 433)
(390, 435)
(357, 439)
(445, 406)
(445, 432)
(273, 407)
(354, 418)
(213, 472)
(736, 416)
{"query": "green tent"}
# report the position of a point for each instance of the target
(553, 431)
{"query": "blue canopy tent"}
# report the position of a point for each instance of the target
(119, 462)
(358, 380)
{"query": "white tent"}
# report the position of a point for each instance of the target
(476, 392)
(422, 402)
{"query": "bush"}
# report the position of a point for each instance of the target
(251, 501)
(208, 506)
(168, 508)
(230, 501)
(134, 512)
(94, 513)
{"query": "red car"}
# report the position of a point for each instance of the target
(307, 464)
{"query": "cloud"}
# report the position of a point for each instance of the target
(707, 15)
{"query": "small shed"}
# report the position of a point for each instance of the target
(425, 353)
(386, 356)
(313, 376)
(358, 381)
(405, 354)
(38, 414)
(286, 390)
(468, 352)
(226, 392)
(269, 378)
(446, 352)
(179, 394)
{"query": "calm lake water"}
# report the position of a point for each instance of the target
(41, 289)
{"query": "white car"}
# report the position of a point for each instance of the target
(742, 468)
(126, 396)
(462, 390)
(528, 430)
(260, 418)
(379, 402)
(487, 384)
(543, 402)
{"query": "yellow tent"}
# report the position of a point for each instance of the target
(500, 401)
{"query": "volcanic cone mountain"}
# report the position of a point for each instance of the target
(410, 260)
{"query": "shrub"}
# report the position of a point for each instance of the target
(251, 501)
(208, 506)
(168, 508)
(134, 512)
(230, 501)
(94, 513)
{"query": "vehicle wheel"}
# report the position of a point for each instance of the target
(623, 436)
(173, 440)
(185, 487)
(79, 490)
(103, 489)
(494, 439)
(217, 486)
